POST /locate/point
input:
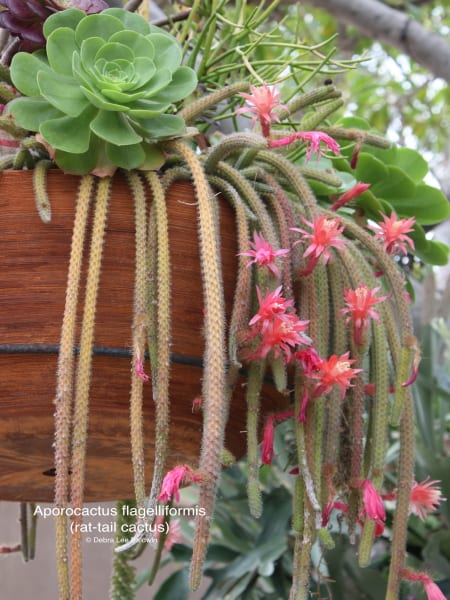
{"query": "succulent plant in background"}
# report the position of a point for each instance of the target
(101, 95)
(25, 19)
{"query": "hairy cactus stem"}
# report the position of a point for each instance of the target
(294, 178)
(405, 480)
(214, 389)
(140, 328)
(161, 371)
(308, 99)
(240, 312)
(123, 574)
(337, 281)
(249, 195)
(235, 142)
(178, 173)
(83, 380)
(7, 161)
(5, 74)
(302, 454)
(311, 120)
(285, 220)
(64, 385)
(302, 557)
(320, 333)
(325, 177)
(40, 190)
(254, 384)
(380, 420)
(356, 135)
(6, 93)
(298, 508)
(10, 127)
(198, 107)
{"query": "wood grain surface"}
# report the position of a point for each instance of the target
(33, 272)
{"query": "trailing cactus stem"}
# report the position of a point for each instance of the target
(64, 385)
(379, 433)
(83, 380)
(308, 99)
(40, 190)
(198, 107)
(249, 195)
(123, 574)
(406, 355)
(241, 303)
(254, 385)
(319, 175)
(214, 389)
(140, 328)
(356, 135)
(235, 142)
(302, 558)
(405, 480)
(295, 179)
(298, 517)
(161, 371)
(311, 120)
(302, 458)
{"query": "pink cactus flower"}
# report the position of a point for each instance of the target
(262, 102)
(373, 503)
(358, 189)
(425, 498)
(263, 254)
(173, 480)
(326, 234)
(359, 305)
(392, 232)
(271, 306)
(336, 370)
(313, 140)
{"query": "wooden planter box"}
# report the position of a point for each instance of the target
(33, 272)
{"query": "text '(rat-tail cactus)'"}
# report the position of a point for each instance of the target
(101, 94)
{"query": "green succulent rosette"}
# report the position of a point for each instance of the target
(101, 94)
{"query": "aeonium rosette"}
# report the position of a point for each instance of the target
(101, 94)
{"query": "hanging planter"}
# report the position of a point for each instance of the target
(33, 268)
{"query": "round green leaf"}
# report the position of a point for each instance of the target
(101, 102)
(60, 48)
(126, 157)
(114, 128)
(100, 25)
(65, 18)
(427, 204)
(89, 49)
(63, 93)
(162, 126)
(167, 51)
(369, 169)
(130, 20)
(184, 82)
(436, 253)
(115, 51)
(412, 163)
(140, 45)
(29, 113)
(24, 70)
(395, 185)
(67, 133)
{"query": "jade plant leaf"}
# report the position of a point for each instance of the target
(127, 73)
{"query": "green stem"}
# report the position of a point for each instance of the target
(161, 371)
(83, 381)
(214, 389)
(64, 385)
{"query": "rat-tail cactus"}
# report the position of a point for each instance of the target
(320, 307)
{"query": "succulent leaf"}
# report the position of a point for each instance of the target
(103, 88)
